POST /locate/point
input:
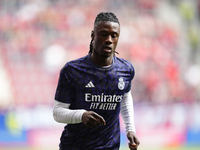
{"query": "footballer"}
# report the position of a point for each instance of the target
(93, 90)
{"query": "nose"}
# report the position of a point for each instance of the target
(109, 39)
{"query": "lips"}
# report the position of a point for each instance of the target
(107, 48)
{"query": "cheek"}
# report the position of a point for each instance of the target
(98, 43)
(115, 43)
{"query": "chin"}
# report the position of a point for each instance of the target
(106, 55)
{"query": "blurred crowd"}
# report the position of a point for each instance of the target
(160, 37)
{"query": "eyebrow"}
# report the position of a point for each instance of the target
(107, 31)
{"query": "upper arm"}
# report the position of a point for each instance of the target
(64, 90)
(131, 76)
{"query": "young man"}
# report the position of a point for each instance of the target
(93, 90)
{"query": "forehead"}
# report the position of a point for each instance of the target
(108, 26)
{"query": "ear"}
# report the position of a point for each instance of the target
(92, 35)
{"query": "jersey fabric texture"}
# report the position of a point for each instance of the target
(87, 86)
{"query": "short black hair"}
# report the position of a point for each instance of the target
(101, 17)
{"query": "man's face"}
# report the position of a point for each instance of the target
(105, 36)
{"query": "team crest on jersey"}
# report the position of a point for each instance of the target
(121, 83)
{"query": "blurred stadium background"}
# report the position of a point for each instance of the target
(160, 37)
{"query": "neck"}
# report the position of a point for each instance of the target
(102, 61)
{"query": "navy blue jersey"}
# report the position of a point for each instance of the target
(87, 86)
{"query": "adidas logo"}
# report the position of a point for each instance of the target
(90, 85)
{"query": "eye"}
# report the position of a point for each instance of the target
(114, 36)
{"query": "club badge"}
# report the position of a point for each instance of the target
(121, 83)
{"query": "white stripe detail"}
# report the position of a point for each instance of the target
(90, 85)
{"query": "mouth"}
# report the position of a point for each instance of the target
(107, 49)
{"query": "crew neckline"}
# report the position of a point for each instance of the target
(101, 67)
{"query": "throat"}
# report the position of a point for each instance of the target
(102, 60)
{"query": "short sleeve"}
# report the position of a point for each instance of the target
(132, 74)
(64, 91)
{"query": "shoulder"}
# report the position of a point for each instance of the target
(125, 64)
(75, 64)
